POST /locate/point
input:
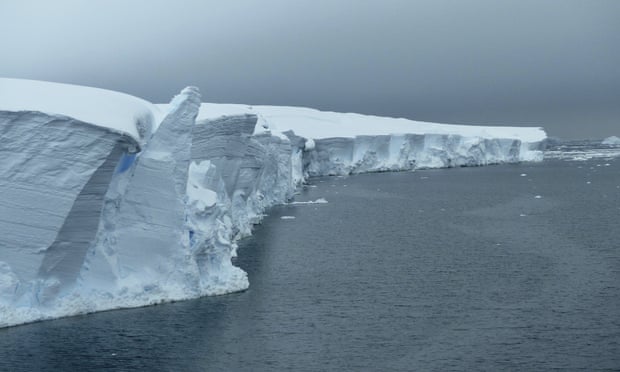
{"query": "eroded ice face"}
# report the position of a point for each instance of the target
(87, 224)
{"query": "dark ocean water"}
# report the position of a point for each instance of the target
(512, 267)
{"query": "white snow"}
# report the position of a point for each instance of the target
(309, 145)
(114, 110)
(197, 192)
(311, 123)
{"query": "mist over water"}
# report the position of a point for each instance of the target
(489, 268)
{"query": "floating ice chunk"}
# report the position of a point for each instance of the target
(538, 197)
(523, 174)
(611, 141)
(287, 217)
(318, 201)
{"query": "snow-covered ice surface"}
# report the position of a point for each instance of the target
(116, 111)
(313, 124)
(347, 143)
(108, 201)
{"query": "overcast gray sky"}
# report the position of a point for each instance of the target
(550, 63)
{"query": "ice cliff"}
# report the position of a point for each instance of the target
(108, 201)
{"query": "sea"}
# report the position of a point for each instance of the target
(506, 267)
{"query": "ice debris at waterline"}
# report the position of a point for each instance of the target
(108, 201)
(611, 141)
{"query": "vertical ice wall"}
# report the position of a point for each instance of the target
(360, 154)
(234, 177)
(55, 171)
(64, 258)
(143, 240)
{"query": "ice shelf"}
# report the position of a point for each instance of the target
(108, 201)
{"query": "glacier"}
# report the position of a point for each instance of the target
(109, 201)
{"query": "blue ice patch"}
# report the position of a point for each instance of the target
(125, 162)
(191, 238)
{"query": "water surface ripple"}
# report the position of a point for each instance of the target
(513, 267)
